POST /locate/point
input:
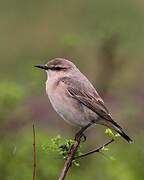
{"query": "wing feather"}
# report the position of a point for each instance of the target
(87, 96)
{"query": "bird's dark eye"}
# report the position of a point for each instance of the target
(57, 68)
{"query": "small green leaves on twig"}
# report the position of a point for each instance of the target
(114, 136)
(62, 147)
(111, 134)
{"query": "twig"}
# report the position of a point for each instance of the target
(95, 150)
(68, 162)
(34, 154)
(72, 152)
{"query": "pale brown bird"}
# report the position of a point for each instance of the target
(74, 98)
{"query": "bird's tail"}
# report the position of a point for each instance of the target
(113, 125)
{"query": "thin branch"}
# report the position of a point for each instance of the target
(72, 152)
(34, 154)
(68, 162)
(95, 150)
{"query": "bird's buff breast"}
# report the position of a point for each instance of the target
(67, 107)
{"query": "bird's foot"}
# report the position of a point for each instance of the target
(80, 134)
(84, 137)
(80, 137)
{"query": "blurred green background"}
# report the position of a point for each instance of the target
(105, 39)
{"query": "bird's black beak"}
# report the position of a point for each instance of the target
(42, 66)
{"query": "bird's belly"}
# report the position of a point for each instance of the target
(68, 108)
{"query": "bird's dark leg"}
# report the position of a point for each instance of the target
(80, 133)
(84, 137)
(79, 136)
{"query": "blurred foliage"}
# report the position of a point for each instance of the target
(62, 147)
(105, 40)
(16, 159)
(71, 40)
(11, 95)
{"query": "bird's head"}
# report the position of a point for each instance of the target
(58, 67)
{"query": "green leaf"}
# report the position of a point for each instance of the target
(117, 135)
(62, 147)
(112, 158)
(105, 149)
(109, 132)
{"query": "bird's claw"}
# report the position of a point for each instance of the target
(79, 136)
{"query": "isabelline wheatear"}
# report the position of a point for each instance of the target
(74, 98)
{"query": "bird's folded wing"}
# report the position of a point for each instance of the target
(87, 96)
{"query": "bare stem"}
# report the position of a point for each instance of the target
(34, 154)
(72, 152)
(68, 162)
(95, 150)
